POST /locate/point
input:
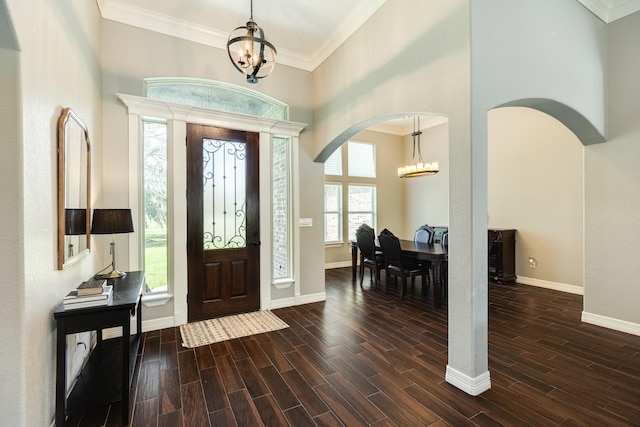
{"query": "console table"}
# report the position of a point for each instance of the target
(98, 383)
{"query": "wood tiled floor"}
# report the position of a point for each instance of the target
(362, 358)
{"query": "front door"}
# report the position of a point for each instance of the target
(223, 234)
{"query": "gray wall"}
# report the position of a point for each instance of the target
(612, 198)
(57, 66)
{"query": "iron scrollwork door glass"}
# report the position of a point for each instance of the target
(224, 198)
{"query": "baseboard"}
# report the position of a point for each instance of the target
(562, 287)
(157, 324)
(169, 322)
(611, 323)
(147, 325)
(472, 386)
(281, 303)
(339, 264)
(308, 299)
(297, 300)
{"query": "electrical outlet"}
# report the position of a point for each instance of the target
(532, 262)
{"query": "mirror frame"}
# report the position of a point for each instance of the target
(67, 120)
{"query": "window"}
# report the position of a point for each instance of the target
(333, 165)
(215, 95)
(362, 207)
(362, 159)
(155, 205)
(361, 193)
(333, 213)
(281, 206)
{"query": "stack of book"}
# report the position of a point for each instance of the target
(89, 294)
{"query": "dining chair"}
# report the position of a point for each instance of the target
(369, 256)
(398, 266)
(424, 234)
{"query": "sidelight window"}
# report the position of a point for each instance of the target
(155, 205)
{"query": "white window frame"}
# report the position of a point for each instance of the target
(285, 282)
(374, 204)
(339, 212)
(168, 207)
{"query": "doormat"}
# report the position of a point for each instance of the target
(211, 331)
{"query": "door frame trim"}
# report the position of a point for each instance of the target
(177, 117)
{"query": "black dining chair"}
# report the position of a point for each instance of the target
(425, 234)
(369, 256)
(398, 266)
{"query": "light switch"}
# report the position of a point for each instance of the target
(306, 222)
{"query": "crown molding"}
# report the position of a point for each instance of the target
(350, 25)
(622, 8)
(611, 10)
(120, 11)
(124, 13)
(403, 129)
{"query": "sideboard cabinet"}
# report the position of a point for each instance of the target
(502, 255)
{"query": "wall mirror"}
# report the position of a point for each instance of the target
(74, 186)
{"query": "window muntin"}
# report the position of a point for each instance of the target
(155, 251)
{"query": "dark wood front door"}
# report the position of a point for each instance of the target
(223, 234)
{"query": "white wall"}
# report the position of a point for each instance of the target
(12, 336)
(59, 45)
(535, 185)
(612, 183)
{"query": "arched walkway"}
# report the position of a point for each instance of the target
(572, 119)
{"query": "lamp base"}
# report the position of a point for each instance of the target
(113, 274)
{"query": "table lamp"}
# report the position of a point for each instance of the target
(111, 221)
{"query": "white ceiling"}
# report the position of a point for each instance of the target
(305, 32)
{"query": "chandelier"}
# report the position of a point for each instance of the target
(249, 52)
(418, 167)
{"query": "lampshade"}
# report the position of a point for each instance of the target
(112, 221)
(75, 222)
(249, 52)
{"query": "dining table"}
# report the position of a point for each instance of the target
(435, 253)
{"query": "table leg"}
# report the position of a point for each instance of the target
(61, 369)
(126, 352)
(437, 284)
(354, 261)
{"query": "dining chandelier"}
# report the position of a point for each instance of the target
(249, 52)
(418, 167)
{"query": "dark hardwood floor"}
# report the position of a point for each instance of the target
(364, 358)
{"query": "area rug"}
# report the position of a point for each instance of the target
(210, 331)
